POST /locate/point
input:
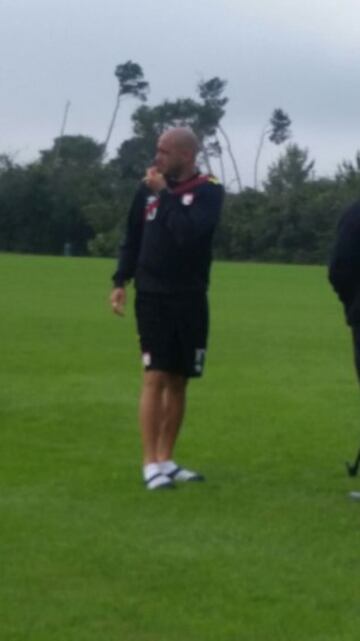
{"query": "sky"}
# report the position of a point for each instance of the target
(302, 57)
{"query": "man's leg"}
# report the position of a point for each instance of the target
(173, 409)
(172, 413)
(151, 413)
(162, 405)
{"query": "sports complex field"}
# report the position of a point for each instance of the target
(267, 550)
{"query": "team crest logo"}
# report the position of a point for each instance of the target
(187, 199)
(151, 207)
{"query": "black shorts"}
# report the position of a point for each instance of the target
(173, 332)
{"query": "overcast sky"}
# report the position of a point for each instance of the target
(301, 56)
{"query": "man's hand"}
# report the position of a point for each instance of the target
(154, 180)
(118, 300)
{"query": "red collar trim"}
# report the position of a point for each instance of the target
(183, 188)
(189, 184)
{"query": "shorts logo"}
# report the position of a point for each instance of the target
(146, 359)
(151, 207)
(199, 360)
(187, 199)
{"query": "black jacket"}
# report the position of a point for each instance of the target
(344, 269)
(167, 247)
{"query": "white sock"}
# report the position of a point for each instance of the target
(150, 470)
(154, 477)
(166, 467)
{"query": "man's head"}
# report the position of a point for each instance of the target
(176, 153)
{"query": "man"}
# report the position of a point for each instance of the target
(167, 250)
(344, 272)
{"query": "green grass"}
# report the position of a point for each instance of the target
(266, 550)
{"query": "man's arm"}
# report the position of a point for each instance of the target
(118, 300)
(129, 252)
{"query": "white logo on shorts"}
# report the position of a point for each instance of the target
(146, 359)
(199, 360)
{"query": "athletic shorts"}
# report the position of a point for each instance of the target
(173, 332)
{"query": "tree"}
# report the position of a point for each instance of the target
(211, 114)
(133, 157)
(348, 176)
(107, 212)
(277, 130)
(235, 238)
(74, 182)
(130, 83)
(73, 151)
(292, 170)
(287, 190)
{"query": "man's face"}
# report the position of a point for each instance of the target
(170, 158)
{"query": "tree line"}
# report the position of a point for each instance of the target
(73, 199)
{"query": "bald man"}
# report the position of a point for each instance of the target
(167, 251)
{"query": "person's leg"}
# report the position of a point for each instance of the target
(172, 412)
(150, 414)
(173, 409)
(190, 318)
(162, 405)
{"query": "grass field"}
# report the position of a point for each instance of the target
(267, 550)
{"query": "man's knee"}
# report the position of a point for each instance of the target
(176, 383)
(154, 379)
(157, 380)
